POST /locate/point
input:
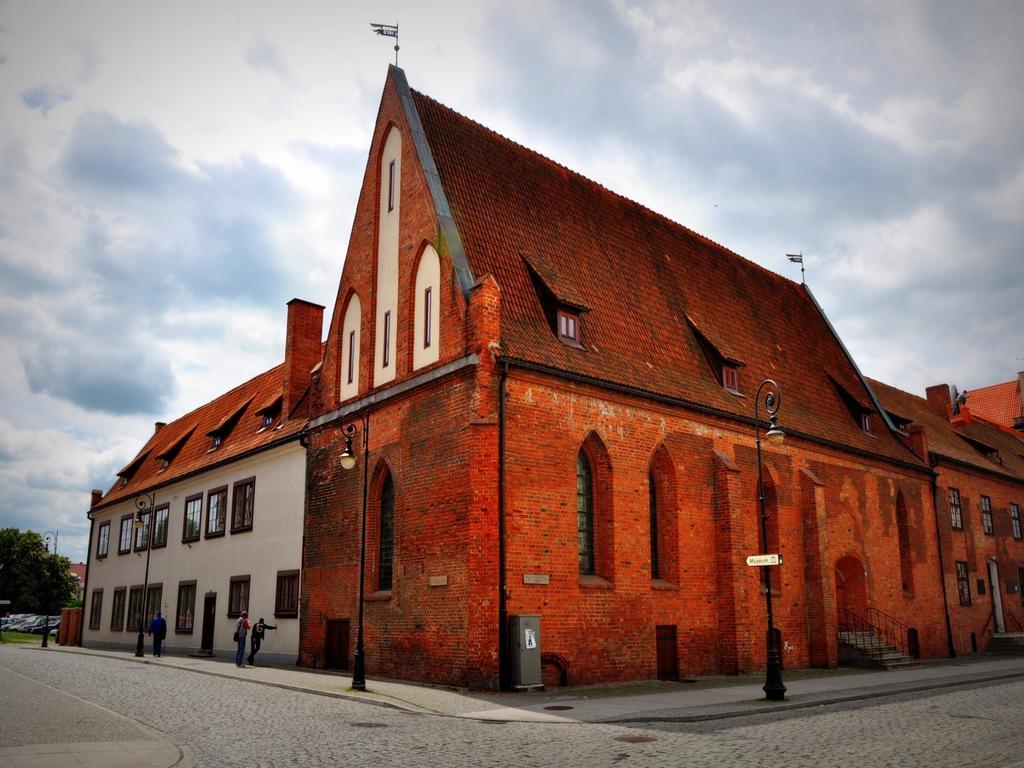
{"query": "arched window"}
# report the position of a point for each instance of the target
(348, 375)
(664, 517)
(585, 512)
(386, 535)
(653, 507)
(426, 343)
(386, 313)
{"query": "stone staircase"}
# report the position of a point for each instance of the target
(1006, 644)
(865, 649)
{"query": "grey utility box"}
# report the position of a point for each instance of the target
(524, 645)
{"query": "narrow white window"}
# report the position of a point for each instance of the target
(427, 296)
(426, 314)
(348, 371)
(391, 186)
(351, 356)
(387, 339)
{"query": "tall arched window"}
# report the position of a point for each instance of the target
(386, 298)
(348, 376)
(655, 564)
(386, 535)
(427, 310)
(585, 513)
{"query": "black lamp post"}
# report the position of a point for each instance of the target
(774, 690)
(49, 536)
(144, 504)
(348, 461)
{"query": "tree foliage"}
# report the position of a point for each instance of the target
(31, 578)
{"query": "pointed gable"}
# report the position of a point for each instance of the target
(644, 279)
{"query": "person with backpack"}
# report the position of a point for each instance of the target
(241, 630)
(158, 629)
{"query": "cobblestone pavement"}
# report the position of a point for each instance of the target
(224, 722)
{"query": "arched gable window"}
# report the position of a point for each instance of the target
(585, 512)
(386, 535)
(348, 375)
(663, 517)
(386, 313)
(426, 346)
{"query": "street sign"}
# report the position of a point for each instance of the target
(756, 560)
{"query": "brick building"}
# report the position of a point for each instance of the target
(1000, 403)
(979, 494)
(224, 491)
(559, 387)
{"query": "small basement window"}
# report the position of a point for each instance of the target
(568, 328)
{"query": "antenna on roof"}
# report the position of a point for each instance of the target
(798, 258)
(387, 30)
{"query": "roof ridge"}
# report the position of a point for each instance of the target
(598, 185)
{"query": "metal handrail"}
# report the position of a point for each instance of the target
(892, 631)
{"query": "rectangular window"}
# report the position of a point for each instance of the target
(243, 504)
(387, 338)
(351, 356)
(117, 610)
(286, 602)
(956, 518)
(427, 301)
(125, 542)
(568, 327)
(186, 615)
(134, 609)
(238, 596)
(142, 531)
(154, 597)
(963, 583)
(391, 186)
(216, 511)
(193, 520)
(865, 422)
(95, 609)
(730, 378)
(160, 526)
(986, 515)
(103, 540)
(1015, 520)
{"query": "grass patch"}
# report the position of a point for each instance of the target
(21, 637)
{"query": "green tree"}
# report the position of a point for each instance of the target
(33, 580)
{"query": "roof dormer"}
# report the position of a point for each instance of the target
(219, 433)
(270, 412)
(860, 410)
(725, 365)
(169, 454)
(562, 304)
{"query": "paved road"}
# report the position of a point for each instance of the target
(224, 722)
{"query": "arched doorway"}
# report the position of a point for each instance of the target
(851, 588)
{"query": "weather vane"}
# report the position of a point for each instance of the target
(798, 258)
(387, 30)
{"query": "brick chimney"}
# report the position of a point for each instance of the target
(158, 425)
(918, 440)
(939, 399)
(301, 349)
(97, 496)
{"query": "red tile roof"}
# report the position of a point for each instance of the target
(1000, 403)
(192, 432)
(963, 443)
(641, 276)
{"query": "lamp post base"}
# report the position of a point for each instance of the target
(774, 690)
(139, 645)
(358, 672)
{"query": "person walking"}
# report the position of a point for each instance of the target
(241, 630)
(258, 631)
(158, 629)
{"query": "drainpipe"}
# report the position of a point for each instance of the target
(942, 566)
(85, 582)
(503, 681)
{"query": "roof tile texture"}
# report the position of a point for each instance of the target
(1000, 403)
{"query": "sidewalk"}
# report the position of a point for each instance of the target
(705, 699)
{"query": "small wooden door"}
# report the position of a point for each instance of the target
(668, 658)
(336, 652)
(209, 619)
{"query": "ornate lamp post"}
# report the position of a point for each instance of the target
(774, 690)
(347, 460)
(144, 505)
(49, 536)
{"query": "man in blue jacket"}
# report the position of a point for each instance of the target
(158, 629)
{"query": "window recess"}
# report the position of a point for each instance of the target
(562, 304)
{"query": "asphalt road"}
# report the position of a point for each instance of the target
(224, 722)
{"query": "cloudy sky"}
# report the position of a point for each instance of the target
(171, 174)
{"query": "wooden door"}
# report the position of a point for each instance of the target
(851, 589)
(668, 658)
(209, 619)
(336, 652)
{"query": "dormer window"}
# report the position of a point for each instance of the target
(216, 441)
(865, 422)
(731, 378)
(268, 419)
(164, 464)
(568, 328)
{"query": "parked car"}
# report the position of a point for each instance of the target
(39, 628)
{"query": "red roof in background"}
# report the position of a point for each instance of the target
(641, 276)
(1000, 403)
(78, 571)
(960, 442)
(194, 454)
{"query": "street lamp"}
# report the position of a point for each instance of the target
(347, 459)
(49, 536)
(774, 690)
(144, 504)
